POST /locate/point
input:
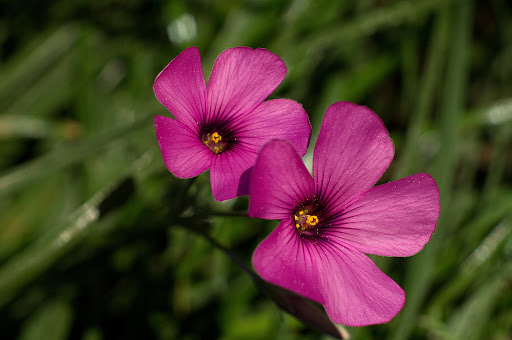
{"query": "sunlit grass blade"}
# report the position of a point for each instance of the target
(43, 96)
(496, 211)
(421, 268)
(33, 61)
(408, 159)
(497, 113)
(36, 258)
(66, 155)
(471, 269)
(21, 126)
(470, 319)
(337, 35)
(389, 16)
(27, 215)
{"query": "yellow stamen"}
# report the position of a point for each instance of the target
(216, 138)
(312, 220)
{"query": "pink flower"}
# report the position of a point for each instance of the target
(221, 126)
(330, 220)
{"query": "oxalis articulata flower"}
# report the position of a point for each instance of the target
(331, 219)
(221, 126)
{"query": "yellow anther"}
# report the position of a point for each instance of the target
(312, 220)
(301, 212)
(216, 138)
(296, 218)
(297, 226)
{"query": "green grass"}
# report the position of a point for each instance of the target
(99, 241)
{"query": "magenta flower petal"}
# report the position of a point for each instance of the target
(328, 223)
(352, 152)
(181, 87)
(349, 285)
(285, 260)
(183, 153)
(275, 193)
(228, 118)
(278, 118)
(241, 79)
(356, 291)
(227, 168)
(393, 219)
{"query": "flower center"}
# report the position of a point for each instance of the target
(214, 142)
(303, 221)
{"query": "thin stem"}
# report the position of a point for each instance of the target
(225, 250)
(302, 308)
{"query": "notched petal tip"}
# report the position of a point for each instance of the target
(181, 87)
(241, 79)
(362, 295)
(276, 119)
(187, 54)
(352, 152)
(264, 55)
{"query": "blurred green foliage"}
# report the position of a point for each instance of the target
(96, 236)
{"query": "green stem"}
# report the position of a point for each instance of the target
(225, 250)
(296, 305)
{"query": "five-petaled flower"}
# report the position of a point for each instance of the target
(329, 221)
(221, 126)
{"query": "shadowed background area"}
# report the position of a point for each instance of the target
(99, 241)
